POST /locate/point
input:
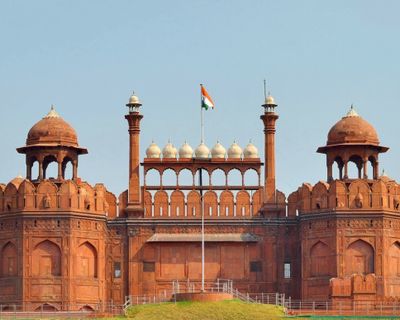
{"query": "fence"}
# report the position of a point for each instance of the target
(345, 308)
(31, 311)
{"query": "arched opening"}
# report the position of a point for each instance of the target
(394, 260)
(50, 167)
(9, 260)
(47, 308)
(234, 178)
(251, 178)
(354, 167)
(34, 170)
(46, 259)
(86, 256)
(321, 263)
(67, 168)
(218, 178)
(169, 178)
(359, 258)
(205, 178)
(338, 174)
(185, 177)
(86, 308)
(152, 178)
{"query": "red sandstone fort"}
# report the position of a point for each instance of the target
(65, 243)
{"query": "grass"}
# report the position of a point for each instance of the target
(229, 309)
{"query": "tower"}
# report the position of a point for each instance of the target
(134, 198)
(52, 139)
(269, 119)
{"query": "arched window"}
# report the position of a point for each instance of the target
(354, 167)
(50, 167)
(169, 177)
(359, 258)
(338, 174)
(35, 170)
(251, 178)
(152, 177)
(86, 256)
(234, 177)
(46, 259)
(320, 255)
(67, 170)
(205, 178)
(185, 177)
(218, 178)
(9, 260)
(394, 260)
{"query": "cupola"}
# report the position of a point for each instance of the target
(169, 151)
(250, 151)
(186, 151)
(153, 151)
(202, 151)
(218, 151)
(234, 151)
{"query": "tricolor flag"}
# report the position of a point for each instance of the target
(206, 101)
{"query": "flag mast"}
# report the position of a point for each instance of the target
(201, 194)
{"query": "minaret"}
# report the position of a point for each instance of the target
(269, 118)
(134, 198)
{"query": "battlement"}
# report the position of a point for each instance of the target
(354, 194)
(48, 196)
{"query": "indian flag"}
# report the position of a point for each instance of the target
(206, 101)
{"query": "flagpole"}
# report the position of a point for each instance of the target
(201, 195)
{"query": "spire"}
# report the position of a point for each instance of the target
(52, 113)
(352, 112)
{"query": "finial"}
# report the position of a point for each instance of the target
(352, 112)
(52, 113)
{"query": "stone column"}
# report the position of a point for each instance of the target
(75, 169)
(134, 157)
(41, 169)
(346, 175)
(365, 168)
(269, 120)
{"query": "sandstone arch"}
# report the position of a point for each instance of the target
(359, 258)
(9, 260)
(46, 259)
(86, 260)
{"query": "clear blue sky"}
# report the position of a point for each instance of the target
(86, 56)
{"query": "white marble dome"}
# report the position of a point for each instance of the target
(169, 151)
(218, 151)
(153, 151)
(250, 151)
(234, 151)
(185, 151)
(202, 151)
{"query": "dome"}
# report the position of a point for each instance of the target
(352, 129)
(134, 100)
(218, 151)
(250, 151)
(185, 151)
(169, 151)
(202, 151)
(235, 151)
(52, 130)
(269, 100)
(153, 151)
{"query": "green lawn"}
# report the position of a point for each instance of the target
(229, 309)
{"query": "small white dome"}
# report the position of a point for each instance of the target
(235, 151)
(169, 151)
(153, 151)
(202, 151)
(185, 151)
(218, 151)
(270, 100)
(250, 151)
